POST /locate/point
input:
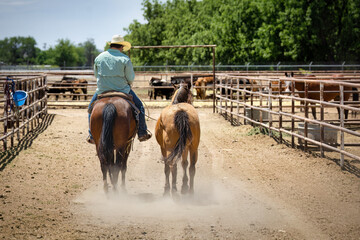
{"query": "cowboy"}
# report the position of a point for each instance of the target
(114, 72)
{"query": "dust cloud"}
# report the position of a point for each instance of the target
(212, 201)
(141, 205)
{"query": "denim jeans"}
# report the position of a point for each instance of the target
(138, 104)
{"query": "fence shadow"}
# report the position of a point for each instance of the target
(347, 163)
(7, 156)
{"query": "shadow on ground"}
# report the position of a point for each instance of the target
(7, 156)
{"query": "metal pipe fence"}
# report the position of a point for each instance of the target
(17, 121)
(263, 102)
(343, 66)
(243, 98)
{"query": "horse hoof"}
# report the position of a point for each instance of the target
(106, 188)
(166, 193)
(175, 196)
(123, 189)
(184, 189)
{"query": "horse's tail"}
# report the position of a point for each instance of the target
(182, 125)
(106, 145)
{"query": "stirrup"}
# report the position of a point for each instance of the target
(90, 140)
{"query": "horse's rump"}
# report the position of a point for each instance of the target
(182, 125)
(120, 117)
(177, 129)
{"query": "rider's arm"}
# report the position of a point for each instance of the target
(129, 72)
(95, 71)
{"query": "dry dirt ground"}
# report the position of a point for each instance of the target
(246, 187)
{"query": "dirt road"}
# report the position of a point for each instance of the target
(246, 187)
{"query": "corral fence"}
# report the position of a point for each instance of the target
(69, 94)
(243, 97)
(249, 67)
(263, 101)
(17, 121)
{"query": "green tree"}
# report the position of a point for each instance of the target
(334, 32)
(256, 31)
(18, 50)
(65, 54)
(248, 31)
(89, 52)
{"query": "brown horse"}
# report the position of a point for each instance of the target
(331, 91)
(113, 127)
(201, 84)
(177, 132)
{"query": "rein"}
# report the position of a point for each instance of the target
(148, 115)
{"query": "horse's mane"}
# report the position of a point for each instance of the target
(182, 94)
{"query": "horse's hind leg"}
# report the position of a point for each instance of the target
(313, 110)
(193, 160)
(114, 169)
(174, 176)
(167, 179)
(346, 113)
(104, 169)
(121, 161)
(184, 163)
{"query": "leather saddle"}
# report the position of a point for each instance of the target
(125, 96)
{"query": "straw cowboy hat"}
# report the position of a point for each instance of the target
(117, 39)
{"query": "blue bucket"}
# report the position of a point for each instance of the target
(19, 98)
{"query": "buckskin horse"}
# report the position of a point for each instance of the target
(177, 132)
(113, 127)
(331, 91)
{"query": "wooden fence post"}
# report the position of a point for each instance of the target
(321, 119)
(237, 101)
(342, 120)
(306, 114)
(270, 108)
(280, 111)
(292, 113)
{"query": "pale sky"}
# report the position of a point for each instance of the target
(77, 20)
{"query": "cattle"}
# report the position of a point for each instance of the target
(69, 84)
(176, 80)
(56, 88)
(80, 87)
(166, 91)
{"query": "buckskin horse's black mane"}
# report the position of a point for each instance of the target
(182, 94)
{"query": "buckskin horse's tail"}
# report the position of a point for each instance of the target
(106, 145)
(182, 125)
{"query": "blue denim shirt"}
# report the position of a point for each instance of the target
(113, 71)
